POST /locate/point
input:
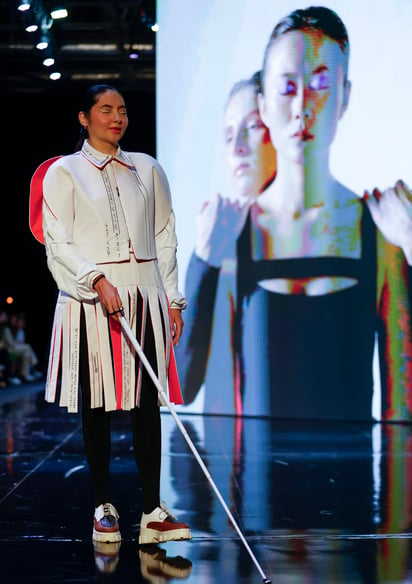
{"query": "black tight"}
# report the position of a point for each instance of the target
(145, 425)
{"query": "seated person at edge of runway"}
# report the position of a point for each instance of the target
(7, 356)
(205, 352)
(26, 357)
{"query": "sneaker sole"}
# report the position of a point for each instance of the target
(154, 536)
(107, 536)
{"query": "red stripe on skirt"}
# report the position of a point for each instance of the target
(116, 337)
(175, 392)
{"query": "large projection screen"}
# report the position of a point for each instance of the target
(203, 49)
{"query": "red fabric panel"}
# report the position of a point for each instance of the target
(175, 392)
(116, 337)
(36, 199)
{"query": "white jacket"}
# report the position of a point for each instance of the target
(98, 208)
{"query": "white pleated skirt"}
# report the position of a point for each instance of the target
(115, 380)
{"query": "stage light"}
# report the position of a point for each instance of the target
(55, 76)
(133, 56)
(32, 28)
(24, 6)
(59, 13)
(43, 43)
(155, 27)
(48, 62)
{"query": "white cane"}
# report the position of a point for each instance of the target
(165, 401)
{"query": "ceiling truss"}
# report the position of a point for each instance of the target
(93, 44)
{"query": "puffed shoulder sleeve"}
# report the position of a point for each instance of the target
(72, 273)
(166, 240)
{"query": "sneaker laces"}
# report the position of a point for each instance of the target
(107, 510)
(109, 517)
(164, 508)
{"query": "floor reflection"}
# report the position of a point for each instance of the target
(317, 502)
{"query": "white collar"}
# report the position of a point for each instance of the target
(101, 160)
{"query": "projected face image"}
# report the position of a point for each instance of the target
(299, 301)
(305, 94)
(250, 156)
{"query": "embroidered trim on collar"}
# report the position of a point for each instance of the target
(101, 160)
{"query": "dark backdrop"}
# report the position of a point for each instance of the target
(38, 126)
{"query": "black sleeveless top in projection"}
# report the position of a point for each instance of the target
(307, 356)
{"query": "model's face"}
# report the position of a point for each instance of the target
(107, 122)
(250, 156)
(305, 94)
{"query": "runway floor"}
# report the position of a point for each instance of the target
(316, 502)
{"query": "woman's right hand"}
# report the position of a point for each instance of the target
(391, 210)
(219, 224)
(109, 298)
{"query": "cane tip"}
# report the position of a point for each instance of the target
(267, 581)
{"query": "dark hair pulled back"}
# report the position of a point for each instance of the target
(89, 99)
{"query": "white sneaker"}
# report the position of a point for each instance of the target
(160, 526)
(106, 524)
